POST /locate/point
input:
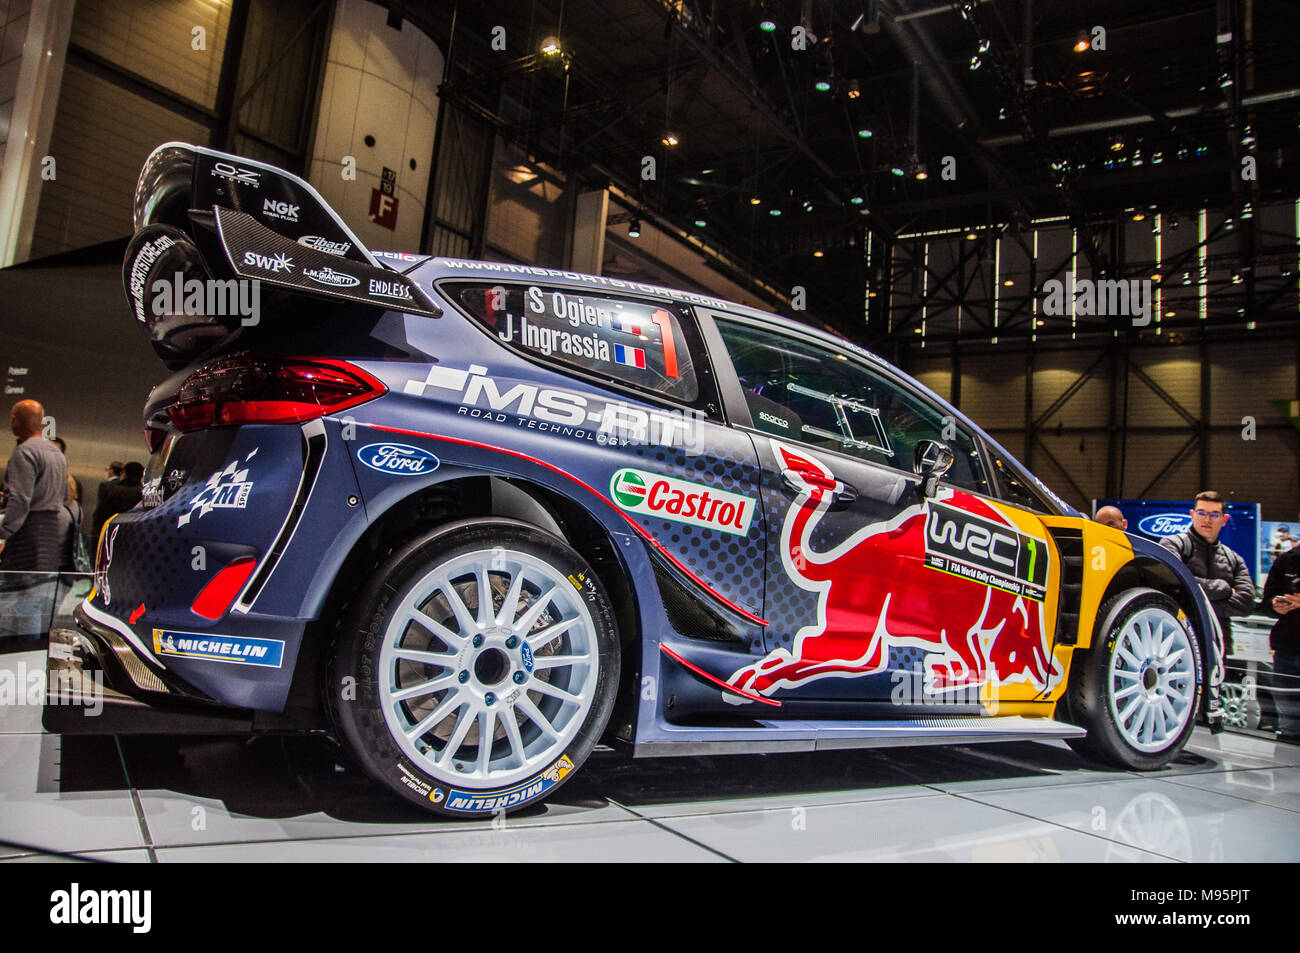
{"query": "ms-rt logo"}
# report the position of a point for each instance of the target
(1105, 297)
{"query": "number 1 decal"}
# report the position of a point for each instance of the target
(665, 322)
(1033, 557)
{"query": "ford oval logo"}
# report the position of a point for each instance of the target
(397, 458)
(1165, 524)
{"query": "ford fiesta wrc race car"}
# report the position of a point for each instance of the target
(473, 519)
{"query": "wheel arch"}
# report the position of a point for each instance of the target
(484, 497)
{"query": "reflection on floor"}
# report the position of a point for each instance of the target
(1229, 798)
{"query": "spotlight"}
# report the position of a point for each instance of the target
(819, 253)
(1081, 45)
(864, 133)
(1117, 145)
(921, 174)
(1139, 216)
(1169, 314)
(754, 200)
(1247, 137)
(634, 229)
(974, 62)
(669, 139)
(984, 46)
(767, 26)
(896, 171)
(774, 212)
(701, 223)
(971, 236)
(854, 90)
(1224, 81)
(1155, 276)
(857, 200)
(1008, 283)
(1247, 211)
(1002, 113)
(822, 86)
(551, 46)
(807, 205)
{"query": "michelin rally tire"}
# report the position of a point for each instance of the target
(418, 668)
(1139, 687)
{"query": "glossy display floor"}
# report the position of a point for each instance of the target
(1229, 798)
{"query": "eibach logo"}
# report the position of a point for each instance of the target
(875, 593)
(693, 503)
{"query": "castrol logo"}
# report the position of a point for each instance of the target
(649, 494)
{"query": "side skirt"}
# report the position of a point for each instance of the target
(786, 736)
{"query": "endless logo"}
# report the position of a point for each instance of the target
(397, 458)
(667, 498)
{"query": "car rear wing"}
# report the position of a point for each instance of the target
(270, 225)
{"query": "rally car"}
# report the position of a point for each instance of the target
(473, 519)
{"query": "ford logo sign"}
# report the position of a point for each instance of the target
(397, 458)
(1165, 524)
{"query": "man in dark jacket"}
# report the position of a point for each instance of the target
(1282, 601)
(34, 523)
(119, 497)
(1221, 572)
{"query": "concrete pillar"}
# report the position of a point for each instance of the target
(379, 106)
(588, 244)
(33, 46)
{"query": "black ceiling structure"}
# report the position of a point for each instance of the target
(788, 134)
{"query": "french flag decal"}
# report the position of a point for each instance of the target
(631, 356)
(628, 325)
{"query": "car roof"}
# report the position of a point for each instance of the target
(438, 268)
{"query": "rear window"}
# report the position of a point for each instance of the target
(644, 344)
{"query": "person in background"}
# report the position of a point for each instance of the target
(1112, 516)
(75, 491)
(34, 522)
(112, 475)
(119, 497)
(1282, 601)
(1220, 571)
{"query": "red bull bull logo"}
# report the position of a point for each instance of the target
(951, 576)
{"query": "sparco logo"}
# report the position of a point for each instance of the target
(1164, 524)
(397, 458)
(224, 170)
(324, 244)
(328, 276)
(274, 208)
(771, 419)
(667, 498)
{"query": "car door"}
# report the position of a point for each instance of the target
(875, 593)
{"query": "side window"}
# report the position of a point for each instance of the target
(805, 392)
(640, 343)
(1013, 489)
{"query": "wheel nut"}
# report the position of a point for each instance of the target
(520, 677)
(512, 642)
(463, 677)
(478, 640)
(490, 699)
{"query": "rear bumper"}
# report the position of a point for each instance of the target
(94, 687)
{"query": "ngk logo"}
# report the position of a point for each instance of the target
(274, 208)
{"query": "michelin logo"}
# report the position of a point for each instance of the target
(268, 653)
(470, 802)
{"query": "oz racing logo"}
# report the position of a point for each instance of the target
(228, 489)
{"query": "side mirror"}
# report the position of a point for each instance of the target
(930, 462)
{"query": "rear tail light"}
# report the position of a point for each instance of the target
(154, 438)
(249, 389)
(218, 594)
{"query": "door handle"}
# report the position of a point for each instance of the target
(838, 491)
